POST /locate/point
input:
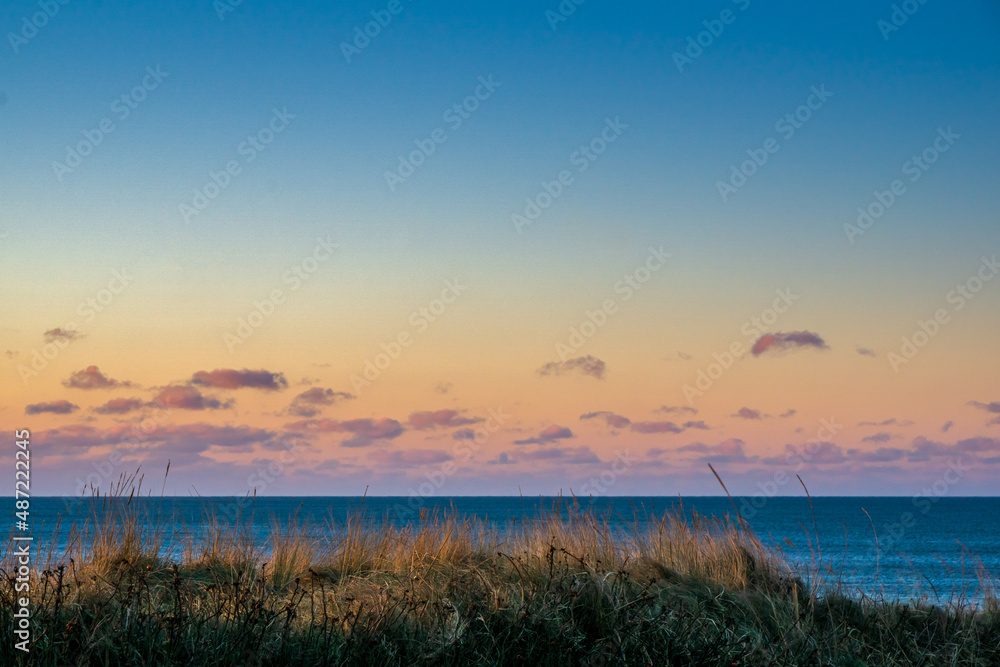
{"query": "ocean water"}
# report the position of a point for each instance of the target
(935, 549)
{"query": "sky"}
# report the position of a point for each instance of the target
(450, 249)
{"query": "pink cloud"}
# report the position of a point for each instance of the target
(818, 453)
(656, 427)
(365, 431)
(187, 398)
(588, 365)
(92, 378)
(442, 418)
(60, 334)
(70, 439)
(778, 342)
(644, 427)
(993, 408)
(727, 451)
(311, 401)
(177, 438)
(671, 409)
(228, 378)
(612, 420)
(119, 406)
(550, 434)
(55, 407)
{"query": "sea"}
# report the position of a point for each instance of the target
(937, 550)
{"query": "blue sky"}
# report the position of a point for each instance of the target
(558, 85)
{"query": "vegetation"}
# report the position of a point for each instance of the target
(555, 591)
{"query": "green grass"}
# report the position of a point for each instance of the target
(554, 591)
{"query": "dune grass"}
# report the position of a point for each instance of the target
(562, 589)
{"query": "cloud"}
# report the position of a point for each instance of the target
(55, 407)
(747, 413)
(979, 444)
(199, 437)
(442, 387)
(646, 427)
(59, 334)
(568, 455)
(820, 453)
(671, 409)
(409, 458)
(501, 460)
(587, 365)
(947, 425)
(888, 422)
(442, 418)
(551, 434)
(656, 427)
(779, 342)
(185, 439)
(119, 406)
(228, 378)
(878, 437)
(993, 408)
(612, 420)
(310, 402)
(923, 449)
(464, 434)
(727, 451)
(365, 431)
(187, 398)
(70, 439)
(92, 378)
(864, 351)
(880, 455)
(787, 413)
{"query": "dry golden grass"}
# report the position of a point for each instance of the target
(564, 587)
